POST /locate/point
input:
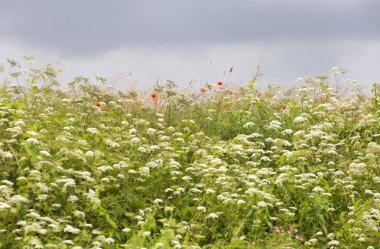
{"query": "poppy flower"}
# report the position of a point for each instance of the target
(105, 109)
(283, 107)
(220, 83)
(153, 95)
(98, 104)
(259, 94)
(202, 90)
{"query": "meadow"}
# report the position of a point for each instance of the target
(217, 167)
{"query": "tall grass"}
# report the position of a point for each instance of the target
(218, 168)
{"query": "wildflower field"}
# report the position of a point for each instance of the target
(217, 167)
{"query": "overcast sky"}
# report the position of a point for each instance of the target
(141, 41)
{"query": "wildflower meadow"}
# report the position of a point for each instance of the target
(214, 167)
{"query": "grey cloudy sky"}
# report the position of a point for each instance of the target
(177, 39)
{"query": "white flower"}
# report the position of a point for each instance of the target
(151, 131)
(72, 198)
(89, 153)
(299, 120)
(105, 179)
(262, 204)
(92, 130)
(240, 202)
(274, 125)
(68, 242)
(362, 239)
(6, 155)
(145, 171)
(249, 125)
(157, 201)
(135, 140)
(4, 206)
(112, 144)
(78, 213)
(42, 197)
(18, 198)
(169, 209)
(32, 141)
(330, 235)
(19, 123)
(70, 229)
(287, 132)
(265, 159)
(335, 70)
(91, 195)
(168, 190)
(317, 189)
(212, 216)
(109, 240)
(333, 243)
(201, 209)
(210, 191)
(146, 233)
(6, 182)
(45, 153)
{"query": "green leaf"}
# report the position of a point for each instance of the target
(32, 153)
(104, 213)
(281, 160)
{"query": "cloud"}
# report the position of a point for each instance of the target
(85, 28)
(177, 39)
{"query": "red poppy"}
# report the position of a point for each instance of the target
(220, 83)
(98, 104)
(153, 95)
(202, 90)
(283, 107)
(259, 94)
(105, 109)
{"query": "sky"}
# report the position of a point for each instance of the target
(134, 43)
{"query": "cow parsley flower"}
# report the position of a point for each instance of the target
(32, 141)
(72, 230)
(262, 204)
(93, 131)
(212, 216)
(201, 209)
